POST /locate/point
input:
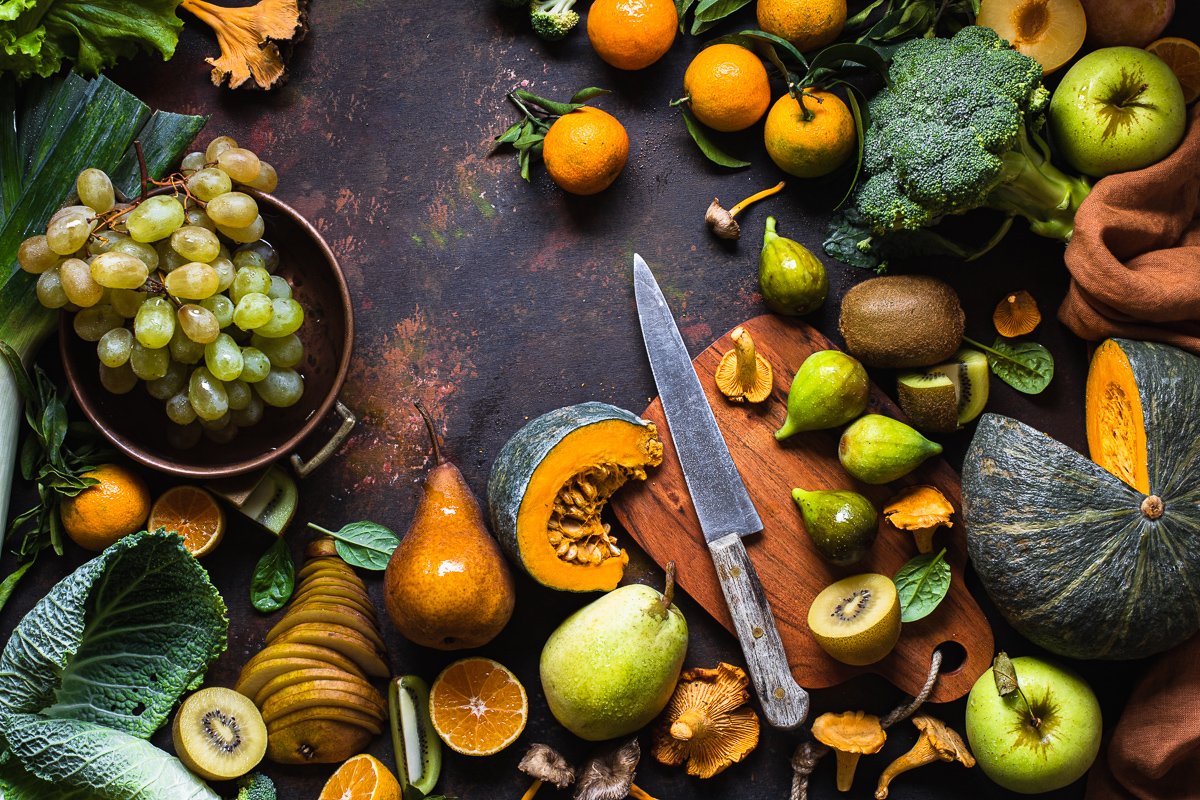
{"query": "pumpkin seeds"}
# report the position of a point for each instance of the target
(575, 530)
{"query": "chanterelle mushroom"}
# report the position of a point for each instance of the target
(743, 374)
(935, 743)
(707, 721)
(545, 765)
(256, 41)
(610, 776)
(850, 734)
(921, 510)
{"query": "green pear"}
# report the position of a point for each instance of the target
(611, 667)
(830, 389)
(842, 524)
(879, 449)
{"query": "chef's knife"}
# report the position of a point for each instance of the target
(722, 503)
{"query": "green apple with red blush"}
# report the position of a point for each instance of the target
(1117, 109)
(1042, 733)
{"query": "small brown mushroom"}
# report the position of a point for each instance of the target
(609, 776)
(707, 723)
(850, 735)
(256, 41)
(936, 742)
(722, 222)
(543, 763)
(1016, 315)
(921, 510)
(743, 374)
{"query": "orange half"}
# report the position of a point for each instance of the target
(1183, 57)
(361, 777)
(194, 514)
(478, 707)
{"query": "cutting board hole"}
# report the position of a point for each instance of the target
(954, 655)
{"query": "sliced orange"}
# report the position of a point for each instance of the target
(361, 777)
(194, 514)
(1183, 57)
(478, 707)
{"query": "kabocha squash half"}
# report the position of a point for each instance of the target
(1096, 559)
(552, 480)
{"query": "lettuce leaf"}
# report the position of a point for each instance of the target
(96, 761)
(119, 640)
(38, 36)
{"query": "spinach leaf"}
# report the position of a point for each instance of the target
(706, 145)
(922, 584)
(274, 578)
(1026, 366)
(366, 545)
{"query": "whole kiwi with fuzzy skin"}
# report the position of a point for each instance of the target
(902, 321)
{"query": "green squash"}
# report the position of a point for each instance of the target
(1078, 560)
(552, 480)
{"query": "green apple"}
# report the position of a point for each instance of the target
(1039, 747)
(1117, 109)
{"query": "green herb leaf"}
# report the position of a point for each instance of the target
(583, 95)
(274, 578)
(922, 584)
(366, 545)
(710, 12)
(1005, 674)
(706, 145)
(1026, 366)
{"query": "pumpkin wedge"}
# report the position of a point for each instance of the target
(1096, 559)
(552, 480)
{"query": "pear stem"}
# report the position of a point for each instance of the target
(668, 595)
(437, 452)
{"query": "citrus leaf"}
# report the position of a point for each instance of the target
(553, 106)
(922, 584)
(710, 12)
(860, 54)
(583, 95)
(777, 41)
(861, 17)
(710, 150)
(856, 111)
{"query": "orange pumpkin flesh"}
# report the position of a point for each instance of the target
(1116, 430)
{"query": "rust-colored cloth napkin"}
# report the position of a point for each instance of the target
(1154, 753)
(1135, 254)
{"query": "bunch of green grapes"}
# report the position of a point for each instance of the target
(155, 286)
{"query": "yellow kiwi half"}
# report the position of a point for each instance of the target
(857, 619)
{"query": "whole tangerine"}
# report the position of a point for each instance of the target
(727, 87)
(808, 24)
(585, 150)
(116, 506)
(632, 34)
(812, 139)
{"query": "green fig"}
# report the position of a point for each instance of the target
(611, 667)
(829, 390)
(879, 449)
(842, 524)
(792, 280)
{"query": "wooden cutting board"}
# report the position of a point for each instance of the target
(659, 514)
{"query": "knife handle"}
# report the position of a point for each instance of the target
(784, 702)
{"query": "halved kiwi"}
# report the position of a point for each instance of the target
(417, 746)
(857, 620)
(926, 396)
(219, 734)
(269, 498)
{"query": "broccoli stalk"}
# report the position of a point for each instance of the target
(552, 19)
(955, 129)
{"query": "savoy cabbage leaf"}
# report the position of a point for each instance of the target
(38, 36)
(119, 640)
(101, 763)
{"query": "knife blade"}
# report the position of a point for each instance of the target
(722, 503)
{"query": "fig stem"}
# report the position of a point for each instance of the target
(754, 198)
(437, 451)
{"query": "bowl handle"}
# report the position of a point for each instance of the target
(302, 467)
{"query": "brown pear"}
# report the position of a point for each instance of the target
(447, 585)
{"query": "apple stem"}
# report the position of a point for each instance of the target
(1033, 718)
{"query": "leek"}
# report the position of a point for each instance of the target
(51, 130)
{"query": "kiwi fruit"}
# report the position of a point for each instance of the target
(273, 502)
(857, 620)
(944, 398)
(901, 321)
(418, 748)
(219, 734)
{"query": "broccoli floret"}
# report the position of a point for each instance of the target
(957, 129)
(256, 786)
(552, 19)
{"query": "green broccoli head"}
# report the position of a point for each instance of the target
(256, 786)
(552, 19)
(941, 130)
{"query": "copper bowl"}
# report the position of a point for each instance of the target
(137, 424)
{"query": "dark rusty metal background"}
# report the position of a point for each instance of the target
(492, 301)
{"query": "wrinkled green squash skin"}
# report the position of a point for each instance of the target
(1063, 547)
(520, 457)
